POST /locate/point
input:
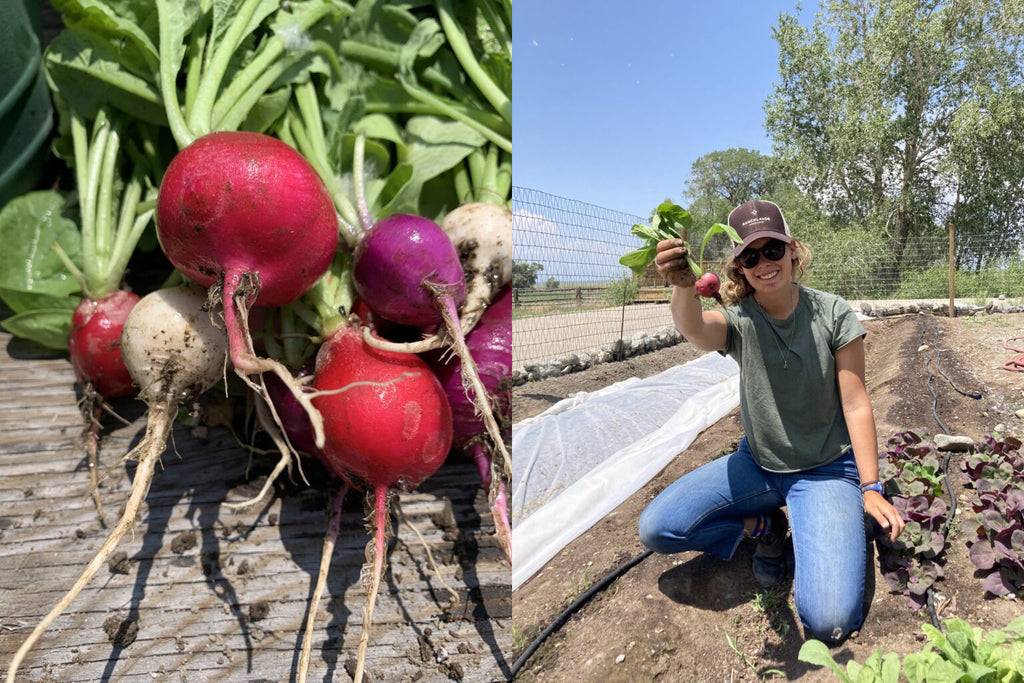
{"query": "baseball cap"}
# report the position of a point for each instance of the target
(756, 219)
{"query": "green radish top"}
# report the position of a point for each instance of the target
(671, 221)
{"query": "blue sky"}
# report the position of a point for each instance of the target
(613, 101)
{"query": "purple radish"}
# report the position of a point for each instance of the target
(406, 269)
(490, 344)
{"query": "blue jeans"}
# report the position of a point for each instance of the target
(704, 511)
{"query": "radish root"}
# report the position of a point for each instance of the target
(497, 495)
(429, 344)
(239, 293)
(470, 375)
(321, 580)
(380, 527)
(285, 461)
(93, 411)
(149, 450)
(430, 556)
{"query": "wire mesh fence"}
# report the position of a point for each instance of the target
(572, 296)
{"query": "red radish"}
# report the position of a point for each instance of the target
(395, 435)
(109, 235)
(388, 423)
(490, 344)
(246, 213)
(95, 343)
(174, 353)
(707, 285)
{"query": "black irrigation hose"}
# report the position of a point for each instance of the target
(945, 469)
(571, 609)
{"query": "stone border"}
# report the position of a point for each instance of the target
(876, 310)
(608, 353)
(669, 336)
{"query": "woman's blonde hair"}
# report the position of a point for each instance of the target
(736, 287)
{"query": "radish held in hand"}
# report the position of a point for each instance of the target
(245, 214)
(174, 353)
(388, 423)
(707, 285)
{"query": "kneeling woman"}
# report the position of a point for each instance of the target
(810, 443)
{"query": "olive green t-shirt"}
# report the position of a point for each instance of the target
(789, 400)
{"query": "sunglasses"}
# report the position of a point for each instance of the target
(773, 250)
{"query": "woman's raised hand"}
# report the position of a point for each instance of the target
(672, 264)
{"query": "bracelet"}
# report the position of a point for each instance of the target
(871, 486)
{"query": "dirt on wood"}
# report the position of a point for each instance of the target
(693, 617)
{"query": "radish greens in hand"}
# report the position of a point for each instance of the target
(670, 222)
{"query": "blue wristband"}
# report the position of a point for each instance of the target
(873, 486)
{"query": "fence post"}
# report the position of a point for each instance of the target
(952, 279)
(622, 329)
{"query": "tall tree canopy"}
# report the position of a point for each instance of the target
(901, 115)
(721, 180)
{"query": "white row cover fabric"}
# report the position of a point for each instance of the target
(579, 459)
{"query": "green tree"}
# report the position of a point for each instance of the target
(552, 283)
(886, 110)
(524, 275)
(720, 181)
(723, 179)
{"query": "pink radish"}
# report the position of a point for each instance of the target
(95, 343)
(707, 285)
(174, 353)
(247, 215)
(388, 424)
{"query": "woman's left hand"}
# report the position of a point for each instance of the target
(884, 513)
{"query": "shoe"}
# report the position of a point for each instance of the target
(771, 556)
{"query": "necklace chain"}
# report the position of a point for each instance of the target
(776, 337)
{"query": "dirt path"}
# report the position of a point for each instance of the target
(671, 618)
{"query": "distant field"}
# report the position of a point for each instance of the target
(582, 297)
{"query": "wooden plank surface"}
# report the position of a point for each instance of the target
(218, 594)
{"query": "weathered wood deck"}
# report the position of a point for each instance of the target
(219, 595)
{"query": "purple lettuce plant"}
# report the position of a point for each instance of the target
(911, 476)
(995, 472)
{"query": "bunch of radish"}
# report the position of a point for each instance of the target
(387, 417)
(264, 219)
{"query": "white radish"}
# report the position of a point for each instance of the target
(482, 235)
(173, 353)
